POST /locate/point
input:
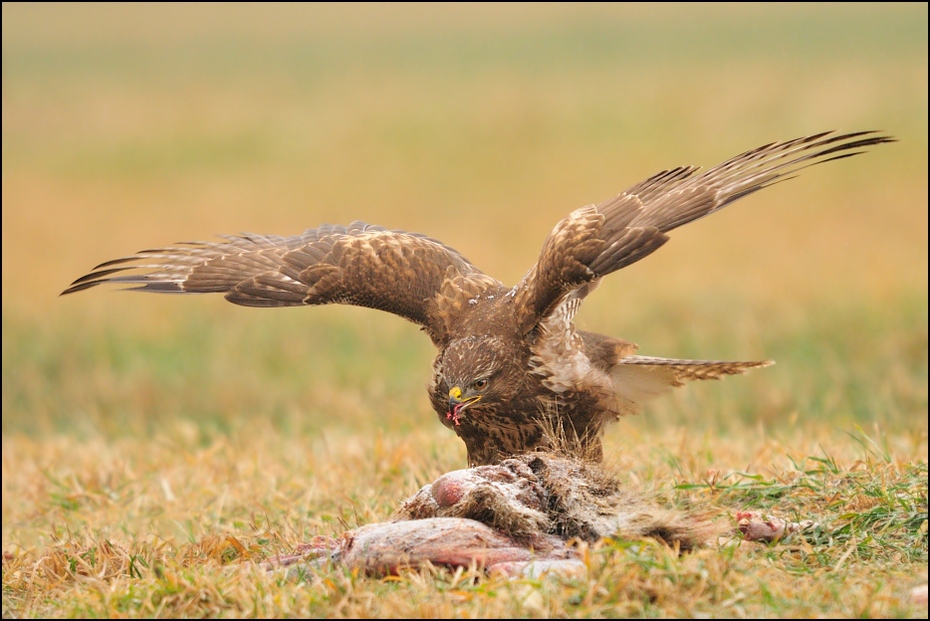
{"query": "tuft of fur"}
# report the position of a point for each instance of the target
(539, 494)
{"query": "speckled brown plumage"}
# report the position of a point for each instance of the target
(513, 375)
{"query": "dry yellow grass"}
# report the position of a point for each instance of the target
(154, 448)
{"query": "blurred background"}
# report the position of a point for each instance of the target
(132, 126)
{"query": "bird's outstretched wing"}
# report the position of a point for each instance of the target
(599, 239)
(402, 273)
(637, 379)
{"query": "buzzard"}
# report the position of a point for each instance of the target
(513, 374)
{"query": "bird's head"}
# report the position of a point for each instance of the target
(474, 374)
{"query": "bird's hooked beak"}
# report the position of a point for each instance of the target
(457, 404)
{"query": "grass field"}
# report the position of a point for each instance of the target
(153, 447)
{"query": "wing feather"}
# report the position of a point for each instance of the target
(363, 265)
(596, 240)
(637, 379)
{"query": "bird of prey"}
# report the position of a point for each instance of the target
(513, 374)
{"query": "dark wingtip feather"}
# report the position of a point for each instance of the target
(79, 286)
(98, 275)
(156, 286)
(120, 261)
(99, 278)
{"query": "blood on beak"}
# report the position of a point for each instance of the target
(457, 404)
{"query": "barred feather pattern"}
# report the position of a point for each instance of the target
(511, 365)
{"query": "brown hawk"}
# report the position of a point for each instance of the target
(513, 374)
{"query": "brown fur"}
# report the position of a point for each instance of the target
(546, 494)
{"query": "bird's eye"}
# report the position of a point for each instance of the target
(480, 384)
